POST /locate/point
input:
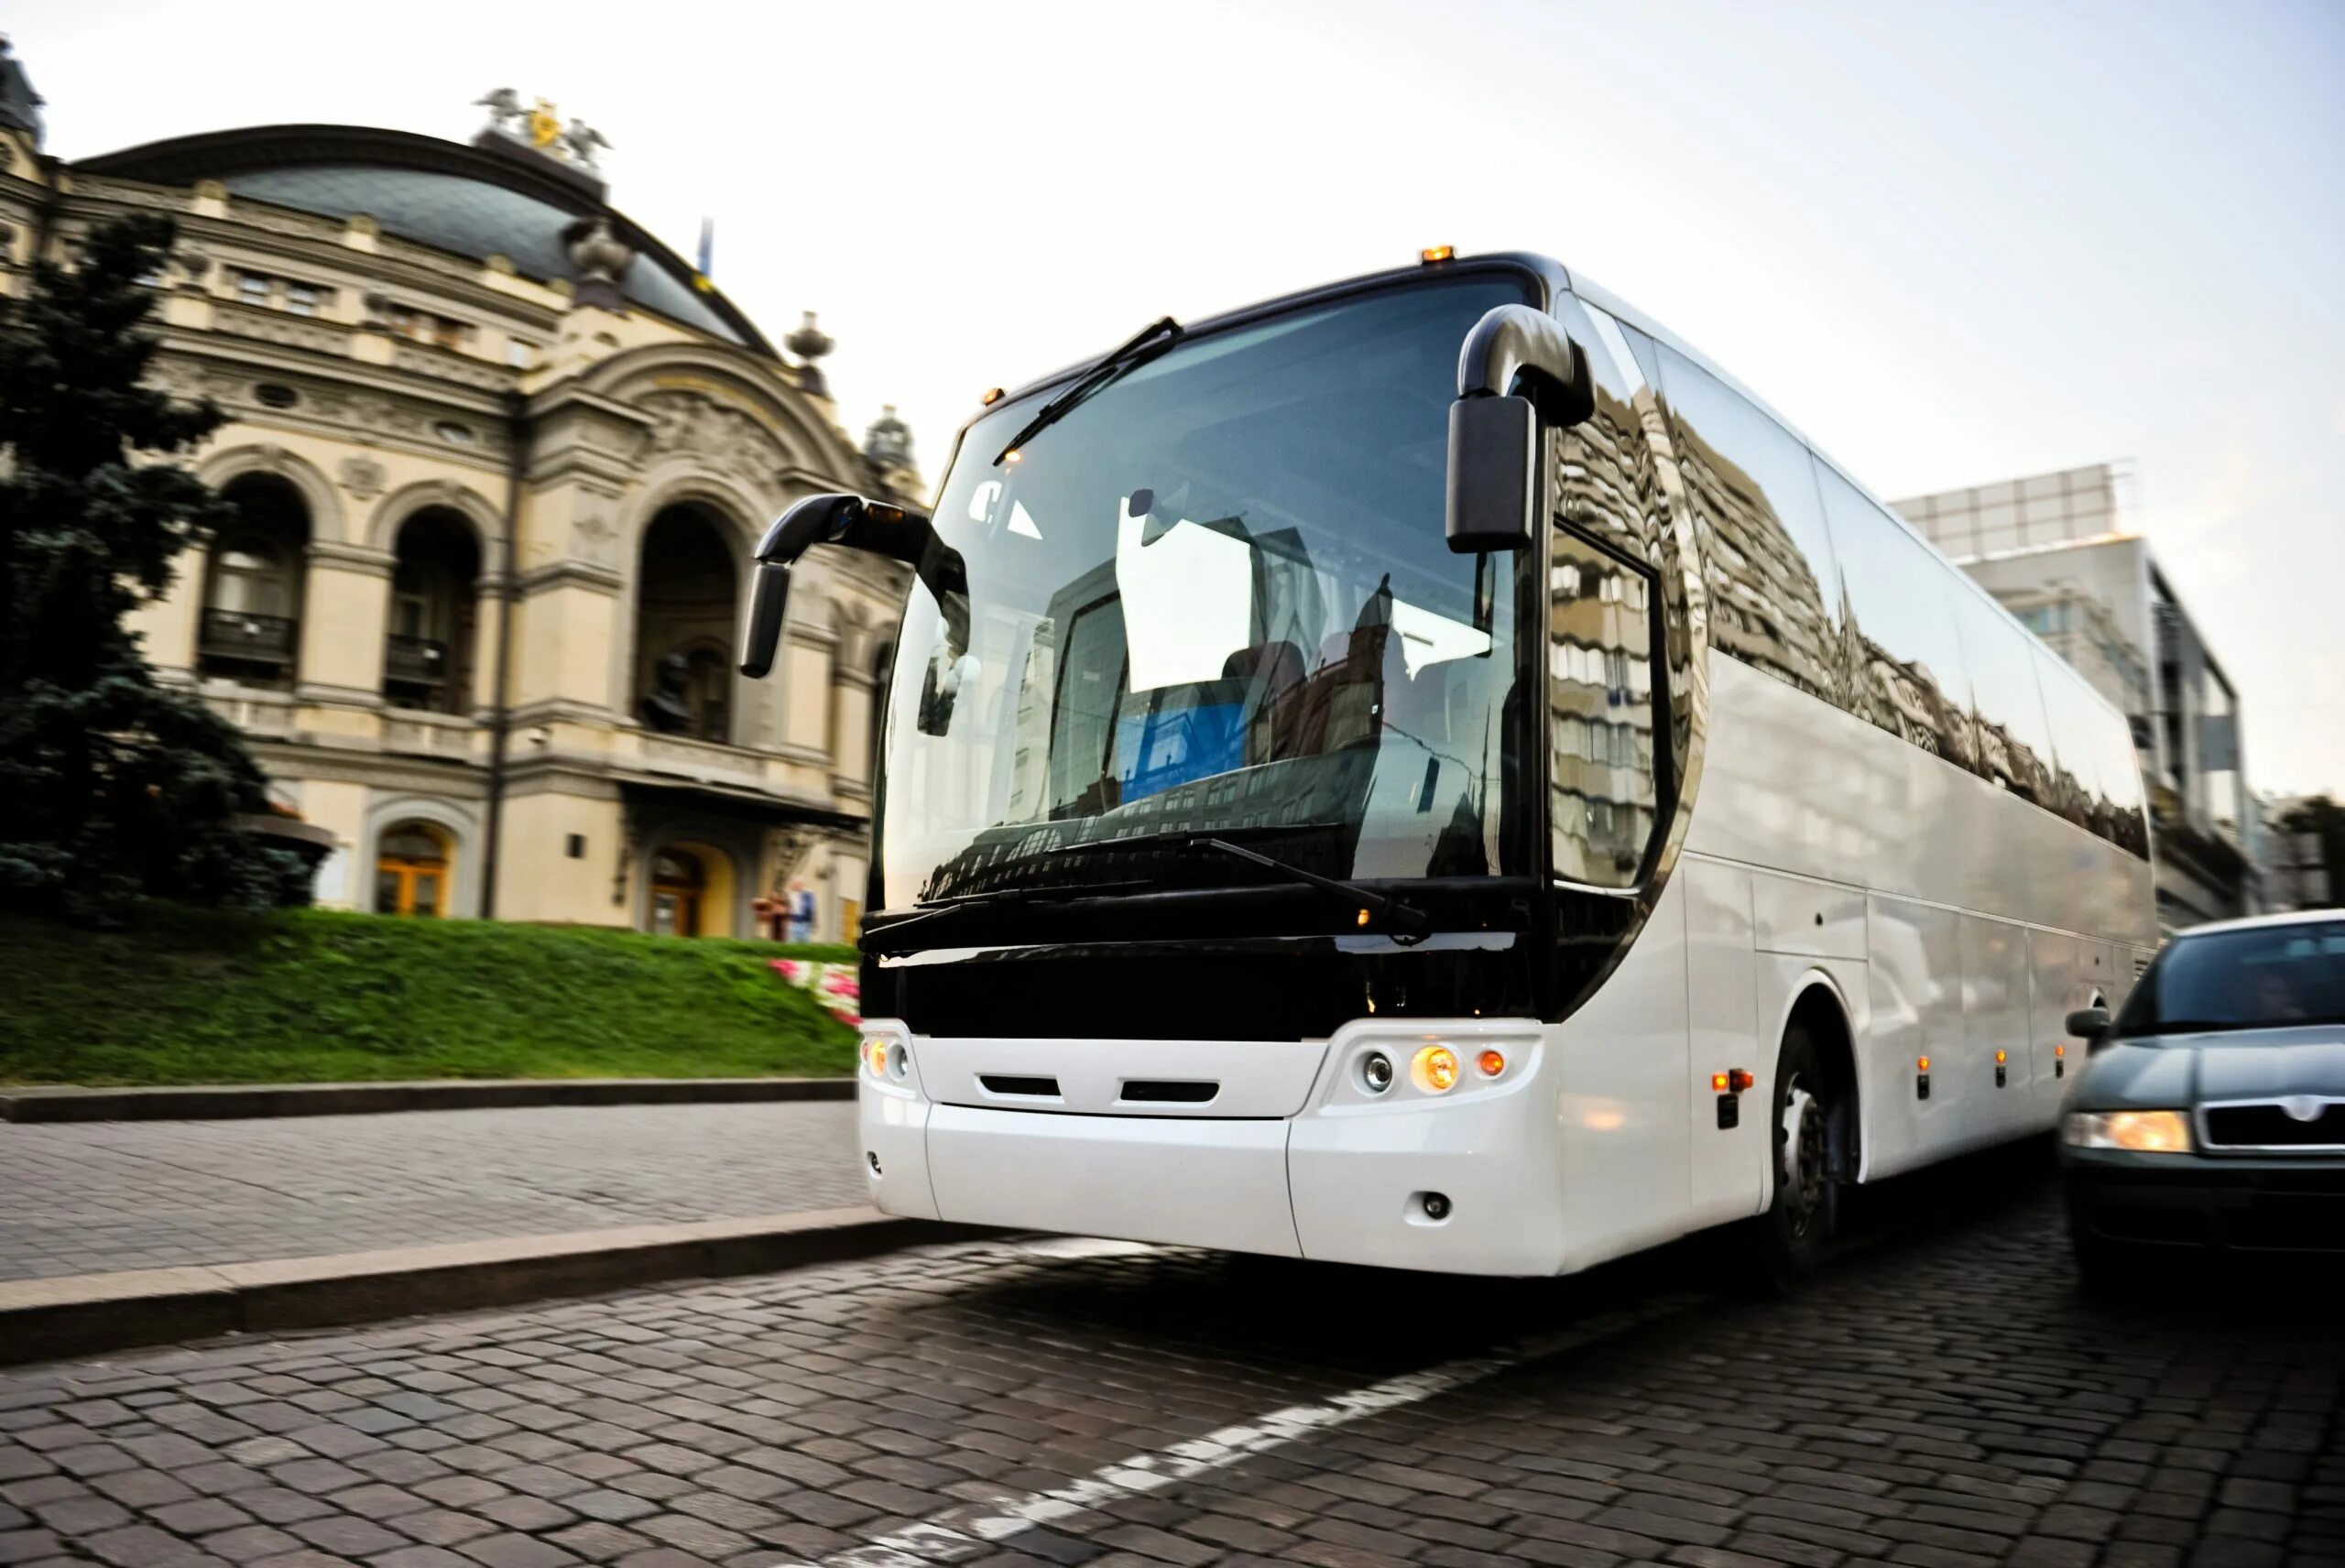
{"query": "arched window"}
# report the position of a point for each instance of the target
(427, 653)
(678, 883)
(685, 620)
(414, 862)
(252, 584)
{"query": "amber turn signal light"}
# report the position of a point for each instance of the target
(1491, 1062)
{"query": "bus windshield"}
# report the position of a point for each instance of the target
(1215, 600)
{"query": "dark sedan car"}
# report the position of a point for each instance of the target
(2211, 1110)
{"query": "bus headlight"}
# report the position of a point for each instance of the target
(887, 1059)
(2137, 1132)
(1435, 1070)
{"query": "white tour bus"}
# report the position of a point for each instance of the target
(1429, 772)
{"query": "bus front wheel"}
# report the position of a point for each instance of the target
(1782, 1244)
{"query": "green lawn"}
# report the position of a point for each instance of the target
(309, 995)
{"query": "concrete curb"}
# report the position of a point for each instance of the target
(87, 1314)
(234, 1101)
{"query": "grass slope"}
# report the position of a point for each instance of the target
(310, 995)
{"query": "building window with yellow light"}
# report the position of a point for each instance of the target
(413, 864)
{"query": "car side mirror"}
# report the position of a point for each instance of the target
(2089, 1025)
(1516, 370)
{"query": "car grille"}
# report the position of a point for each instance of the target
(2271, 1125)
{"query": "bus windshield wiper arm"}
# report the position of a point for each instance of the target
(999, 899)
(1405, 923)
(1106, 369)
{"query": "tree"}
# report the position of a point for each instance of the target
(110, 786)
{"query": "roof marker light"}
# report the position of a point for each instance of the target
(992, 396)
(1433, 255)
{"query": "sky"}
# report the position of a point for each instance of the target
(1952, 244)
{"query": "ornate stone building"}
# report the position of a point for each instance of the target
(501, 457)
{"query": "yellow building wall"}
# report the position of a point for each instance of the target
(341, 809)
(536, 879)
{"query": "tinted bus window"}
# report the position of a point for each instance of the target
(2014, 741)
(1600, 703)
(1765, 554)
(1907, 674)
(2120, 779)
(1609, 755)
(2075, 762)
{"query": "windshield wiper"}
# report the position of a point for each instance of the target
(1004, 898)
(1405, 923)
(1103, 371)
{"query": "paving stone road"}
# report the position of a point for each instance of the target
(89, 1198)
(1941, 1398)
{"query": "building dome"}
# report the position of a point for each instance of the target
(477, 201)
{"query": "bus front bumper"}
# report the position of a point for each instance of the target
(1462, 1185)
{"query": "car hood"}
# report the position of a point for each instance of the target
(2194, 1068)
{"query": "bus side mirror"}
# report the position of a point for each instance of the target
(2089, 1025)
(877, 527)
(1516, 370)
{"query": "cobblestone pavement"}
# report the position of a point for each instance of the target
(1942, 1399)
(88, 1198)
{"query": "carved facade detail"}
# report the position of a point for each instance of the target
(362, 476)
(694, 425)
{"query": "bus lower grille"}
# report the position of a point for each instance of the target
(1169, 1091)
(1027, 1088)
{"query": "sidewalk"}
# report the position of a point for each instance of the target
(102, 1198)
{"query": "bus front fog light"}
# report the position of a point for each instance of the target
(1436, 1206)
(1435, 1070)
(1376, 1073)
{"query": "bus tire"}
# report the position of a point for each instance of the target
(1781, 1245)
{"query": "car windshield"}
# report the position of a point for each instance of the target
(2259, 978)
(1213, 598)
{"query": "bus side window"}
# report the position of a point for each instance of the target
(1767, 557)
(2015, 739)
(1600, 712)
(1906, 671)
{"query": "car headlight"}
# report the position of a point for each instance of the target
(2138, 1132)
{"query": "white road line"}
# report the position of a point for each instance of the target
(964, 1531)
